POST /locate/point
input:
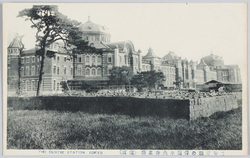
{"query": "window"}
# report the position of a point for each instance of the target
(99, 72)
(65, 70)
(54, 85)
(87, 59)
(87, 72)
(109, 59)
(27, 59)
(36, 84)
(65, 59)
(38, 69)
(33, 71)
(93, 72)
(27, 85)
(38, 58)
(33, 59)
(80, 59)
(27, 71)
(58, 86)
(22, 71)
(99, 59)
(22, 60)
(125, 59)
(54, 57)
(58, 58)
(33, 85)
(43, 86)
(57, 70)
(93, 59)
(54, 70)
(23, 86)
(79, 70)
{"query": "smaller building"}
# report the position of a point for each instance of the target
(151, 62)
(222, 86)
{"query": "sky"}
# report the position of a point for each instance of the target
(191, 30)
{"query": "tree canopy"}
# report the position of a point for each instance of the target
(148, 79)
(121, 75)
(52, 26)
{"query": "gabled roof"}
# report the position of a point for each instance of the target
(170, 56)
(29, 51)
(202, 63)
(99, 45)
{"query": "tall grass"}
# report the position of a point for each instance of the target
(34, 129)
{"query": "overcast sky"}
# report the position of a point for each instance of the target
(190, 30)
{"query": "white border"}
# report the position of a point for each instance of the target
(109, 152)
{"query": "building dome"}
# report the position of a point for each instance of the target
(213, 60)
(150, 54)
(16, 43)
(94, 32)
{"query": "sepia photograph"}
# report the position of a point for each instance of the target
(125, 79)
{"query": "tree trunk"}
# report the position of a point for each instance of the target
(41, 72)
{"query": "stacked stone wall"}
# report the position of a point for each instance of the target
(205, 107)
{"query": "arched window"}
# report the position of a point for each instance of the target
(54, 85)
(99, 59)
(93, 59)
(33, 71)
(87, 59)
(57, 70)
(27, 85)
(65, 70)
(24, 86)
(58, 86)
(33, 85)
(27, 71)
(99, 71)
(93, 72)
(87, 72)
(38, 70)
(79, 70)
(54, 70)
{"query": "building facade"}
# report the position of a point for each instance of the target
(95, 66)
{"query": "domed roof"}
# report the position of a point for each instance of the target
(150, 54)
(90, 27)
(213, 60)
(16, 43)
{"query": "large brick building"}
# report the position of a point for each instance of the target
(95, 67)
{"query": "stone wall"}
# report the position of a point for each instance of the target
(205, 107)
(189, 109)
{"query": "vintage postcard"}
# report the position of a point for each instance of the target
(125, 79)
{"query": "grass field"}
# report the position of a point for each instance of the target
(33, 129)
